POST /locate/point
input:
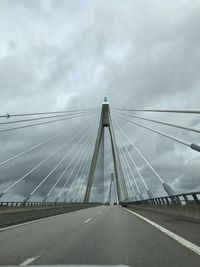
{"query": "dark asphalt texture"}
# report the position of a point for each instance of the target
(112, 236)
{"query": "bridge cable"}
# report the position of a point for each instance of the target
(76, 176)
(45, 118)
(138, 171)
(81, 165)
(166, 187)
(192, 146)
(56, 166)
(42, 123)
(62, 189)
(191, 111)
(83, 174)
(129, 185)
(132, 174)
(127, 174)
(63, 173)
(160, 122)
(131, 188)
(35, 147)
(86, 173)
(35, 167)
(45, 113)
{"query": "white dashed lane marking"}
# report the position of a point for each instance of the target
(88, 220)
(28, 261)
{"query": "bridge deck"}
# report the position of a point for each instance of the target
(99, 235)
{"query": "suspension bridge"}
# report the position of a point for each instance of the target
(52, 193)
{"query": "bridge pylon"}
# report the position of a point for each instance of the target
(105, 121)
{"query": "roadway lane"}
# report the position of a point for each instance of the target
(188, 229)
(100, 235)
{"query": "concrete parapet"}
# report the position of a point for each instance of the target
(11, 216)
(184, 211)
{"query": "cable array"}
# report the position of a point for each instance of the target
(34, 147)
(70, 176)
(166, 187)
(186, 111)
(178, 140)
(161, 122)
(78, 148)
(60, 162)
(49, 140)
(84, 172)
(42, 123)
(135, 166)
(37, 166)
(74, 165)
(46, 118)
(130, 170)
(126, 173)
(46, 113)
(79, 169)
(85, 175)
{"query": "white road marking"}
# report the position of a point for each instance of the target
(88, 220)
(176, 237)
(28, 261)
(40, 220)
(99, 212)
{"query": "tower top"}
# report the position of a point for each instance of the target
(105, 101)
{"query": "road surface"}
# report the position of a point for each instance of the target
(100, 235)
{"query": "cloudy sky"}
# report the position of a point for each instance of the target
(62, 55)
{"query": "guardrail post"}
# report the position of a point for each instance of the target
(186, 199)
(156, 200)
(151, 201)
(173, 201)
(167, 200)
(162, 201)
(178, 201)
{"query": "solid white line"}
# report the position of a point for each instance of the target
(88, 220)
(176, 237)
(42, 219)
(28, 261)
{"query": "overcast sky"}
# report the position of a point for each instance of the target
(59, 55)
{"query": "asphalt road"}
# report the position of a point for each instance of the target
(101, 235)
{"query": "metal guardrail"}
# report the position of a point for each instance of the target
(40, 204)
(180, 199)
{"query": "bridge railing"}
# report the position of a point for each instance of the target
(37, 204)
(179, 199)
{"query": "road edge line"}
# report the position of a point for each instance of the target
(184, 242)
